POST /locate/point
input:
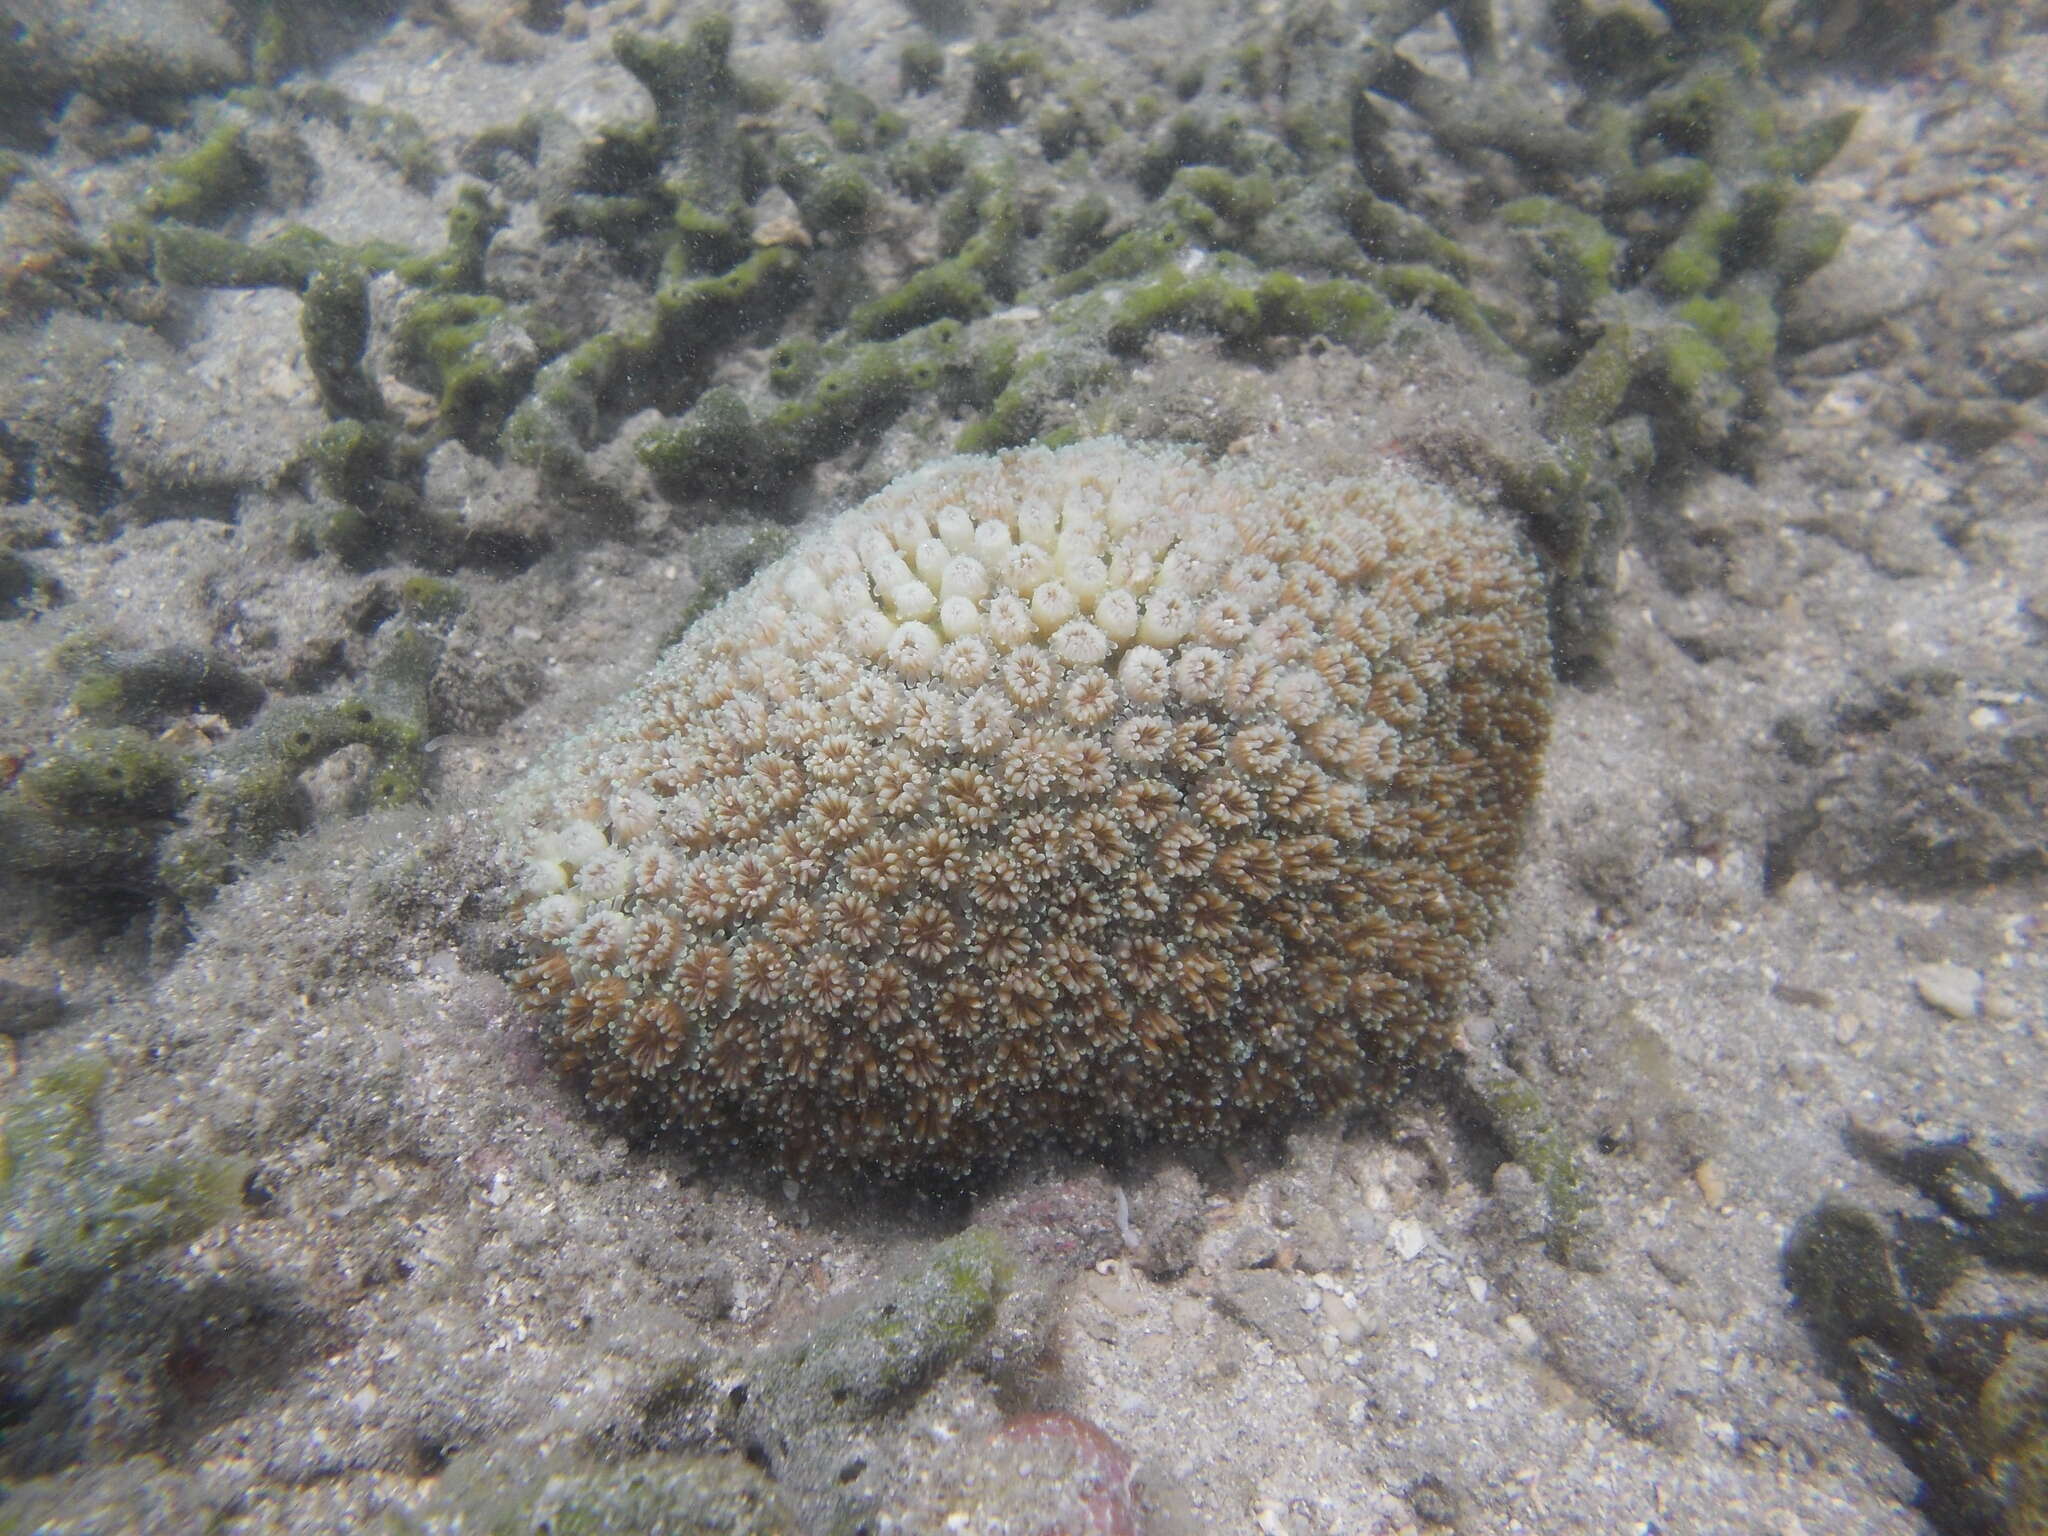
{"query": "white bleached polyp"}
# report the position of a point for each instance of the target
(913, 650)
(912, 599)
(1053, 604)
(852, 595)
(869, 633)
(1132, 569)
(1009, 621)
(1076, 545)
(965, 576)
(874, 546)
(555, 917)
(1026, 568)
(1080, 644)
(991, 542)
(1089, 578)
(1116, 612)
(959, 616)
(966, 662)
(1198, 674)
(1128, 506)
(956, 528)
(1224, 621)
(890, 571)
(1143, 674)
(806, 593)
(1038, 522)
(1168, 618)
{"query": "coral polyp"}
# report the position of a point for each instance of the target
(1093, 796)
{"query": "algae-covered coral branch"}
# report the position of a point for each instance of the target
(113, 811)
(1962, 1396)
(1607, 205)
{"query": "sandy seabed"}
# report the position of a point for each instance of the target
(1709, 970)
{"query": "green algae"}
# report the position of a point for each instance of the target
(927, 168)
(2013, 1423)
(1963, 1398)
(249, 796)
(1077, 231)
(708, 240)
(20, 581)
(1743, 326)
(1674, 183)
(806, 1412)
(387, 134)
(690, 78)
(1019, 405)
(148, 687)
(878, 1355)
(1666, 207)
(116, 816)
(511, 1494)
(459, 265)
(70, 1216)
(1132, 254)
(1218, 206)
(1692, 383)
(1386, 232)
(468, 349)
(1802, 242)
(202, 258)
(352, 459)
(617, 372)
(1589, 397)
(792, 1408)
(948, 290)
(431, 599)
(115, 774)
(1807, 152)
(1002, 72)
(1244, 308)
(1572, 249)
(1692, 264)
(698, 102)
(1532, 1137)
(334, 323)
(1450, 301)
(720, 446)
(207, 182)
(921, 66)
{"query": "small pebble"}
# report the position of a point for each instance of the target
(1408, 1237)
(1713, 1188)
(1955, 990)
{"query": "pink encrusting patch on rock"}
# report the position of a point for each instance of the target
(1089, 795)
(1061, 1456)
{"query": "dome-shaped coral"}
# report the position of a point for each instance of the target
(1087, 795)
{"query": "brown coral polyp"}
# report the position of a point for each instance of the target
(1091, 796)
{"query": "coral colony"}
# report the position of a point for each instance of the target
(1091, 796)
